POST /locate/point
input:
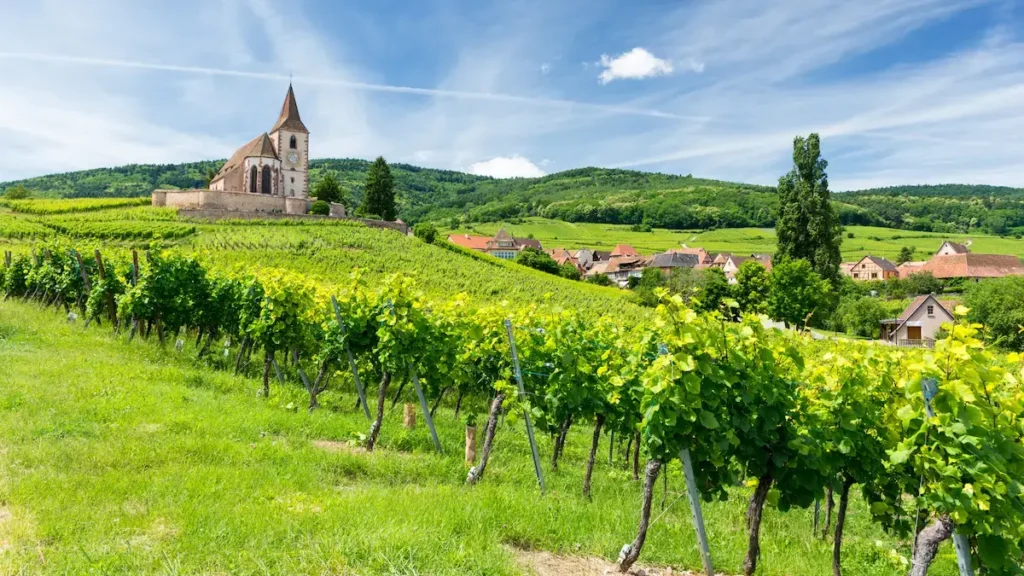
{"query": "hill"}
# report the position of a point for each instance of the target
(596, 195)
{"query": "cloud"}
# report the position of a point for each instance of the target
(515, 166)
(635, 64)
(545, 68)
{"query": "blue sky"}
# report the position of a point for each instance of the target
(902, 91)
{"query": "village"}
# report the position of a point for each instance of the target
(918, 325)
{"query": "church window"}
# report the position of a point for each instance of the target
(291, 143)
(293, 179)
(265, 188)
(252, 179)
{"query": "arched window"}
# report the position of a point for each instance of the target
(266, 180)
(253, 175)
(291, 143)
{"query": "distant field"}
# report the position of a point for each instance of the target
(885, 242)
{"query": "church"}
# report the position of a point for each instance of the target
(269, 174)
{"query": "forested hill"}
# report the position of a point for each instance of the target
(589, 195)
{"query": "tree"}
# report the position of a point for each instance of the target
(998, 304)
(425, 231)
(650, 280)
(923, 283)
(379, 191)
(808, 225)
(861, 316)
(208, 177)
(906, 254)
(714, 289)
(320, 208)
(752, 286)
(570, 271)
(18, 192)
(328, 189)
(599, 279)
(798, 295)
(537, 259)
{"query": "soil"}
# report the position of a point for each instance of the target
(336, 446)
(541, 563)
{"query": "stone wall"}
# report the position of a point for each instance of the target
(229, 201)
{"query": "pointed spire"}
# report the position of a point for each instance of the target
(289, 119)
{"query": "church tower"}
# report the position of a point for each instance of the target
(291, 141)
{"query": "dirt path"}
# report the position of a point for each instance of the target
(547, 564)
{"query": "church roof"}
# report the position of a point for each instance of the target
(289, 119)
(260, 147)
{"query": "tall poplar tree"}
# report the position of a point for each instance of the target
(379, 197)
(808, 225)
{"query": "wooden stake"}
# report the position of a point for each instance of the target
(111, 307)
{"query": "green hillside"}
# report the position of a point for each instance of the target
(595, 195)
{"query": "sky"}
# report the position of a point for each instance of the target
(901, 91)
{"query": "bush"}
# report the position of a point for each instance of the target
(536, 259)
(849, 234)
(570, 271)
(600, 280)
(641, 227)
(861, 316)
(18, 192)
(425, 231)
(320, 207)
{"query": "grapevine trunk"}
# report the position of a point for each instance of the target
(928, 545)
(492, 425)
(632, 553)
(764, 484)
(837, 545)
(598, 423)
(382, 396)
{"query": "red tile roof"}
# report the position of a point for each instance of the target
(624, 250)
(471, 242)
(974, 266)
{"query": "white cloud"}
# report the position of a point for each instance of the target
(637, 63)
(515, 166)
(545, 68)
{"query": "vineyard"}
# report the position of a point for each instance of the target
(49, 207)
(929, 442)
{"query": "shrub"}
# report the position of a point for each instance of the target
(320, 207)
(425, 231)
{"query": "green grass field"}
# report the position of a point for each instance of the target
(125, 458)
(885, 242)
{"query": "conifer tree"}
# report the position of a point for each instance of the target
(379, 200)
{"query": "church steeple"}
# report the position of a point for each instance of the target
(289, 119)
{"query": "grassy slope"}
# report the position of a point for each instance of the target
(555, 233)
(120, 458)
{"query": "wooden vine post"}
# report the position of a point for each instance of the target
(526, 413)
(111, 307)
(85, 281)
(351, 359)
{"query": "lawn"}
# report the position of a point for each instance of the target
(885, 242)
(125, 458)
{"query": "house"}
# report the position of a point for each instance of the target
(668, 261)
(908, 268)
(704, 258)
(620, 270)
(973, 266)
(764, 259)
(873, 268)
(503, 245)
(950, 248)
(563, 256)
(918, 324)
(719, 259)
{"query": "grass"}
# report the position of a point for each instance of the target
(125, 458)
(885, 242)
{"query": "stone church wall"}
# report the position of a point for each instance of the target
(229, 201)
